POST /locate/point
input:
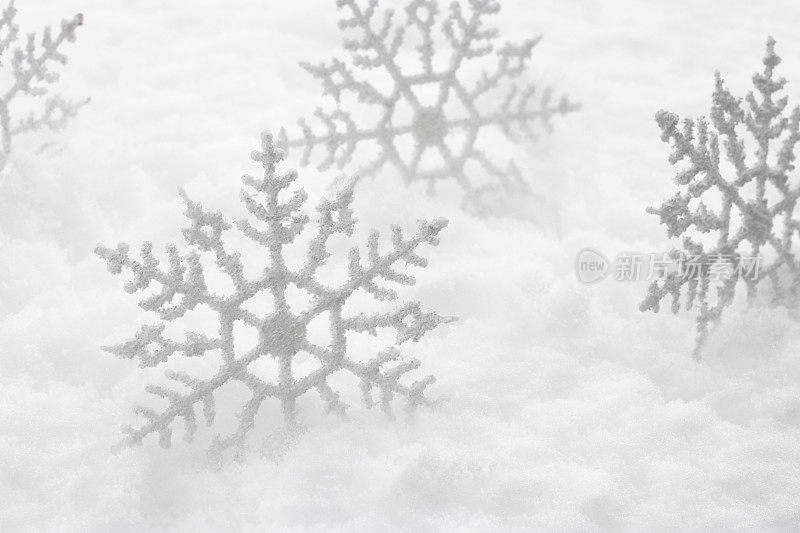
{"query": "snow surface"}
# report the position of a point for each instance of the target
(566, 409)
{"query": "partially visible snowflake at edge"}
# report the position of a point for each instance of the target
(282, 333)
(31, 76)
(466, 39)
(759, 190)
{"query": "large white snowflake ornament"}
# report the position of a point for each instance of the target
(435, 138)
(743, 161)
(282, 332)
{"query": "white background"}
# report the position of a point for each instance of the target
(567, 409)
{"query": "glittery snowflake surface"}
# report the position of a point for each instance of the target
(282, 332)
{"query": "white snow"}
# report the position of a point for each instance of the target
(566, 408)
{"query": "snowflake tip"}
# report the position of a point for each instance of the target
(184, 196)
(771, 59)
(269, 154)
(115, 258)
(438, 224)
(666, 119)
(433, 228)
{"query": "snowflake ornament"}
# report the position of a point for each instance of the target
(443, 133)
(30, 76)
(755, 224)
(282, 333)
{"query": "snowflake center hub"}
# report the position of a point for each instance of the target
(283, 333)
(429, 126)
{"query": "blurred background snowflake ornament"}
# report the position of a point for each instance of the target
(756, 217)
(428, 118)
(27, 78)
(282, 331)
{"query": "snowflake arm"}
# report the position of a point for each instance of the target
(32, 76)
